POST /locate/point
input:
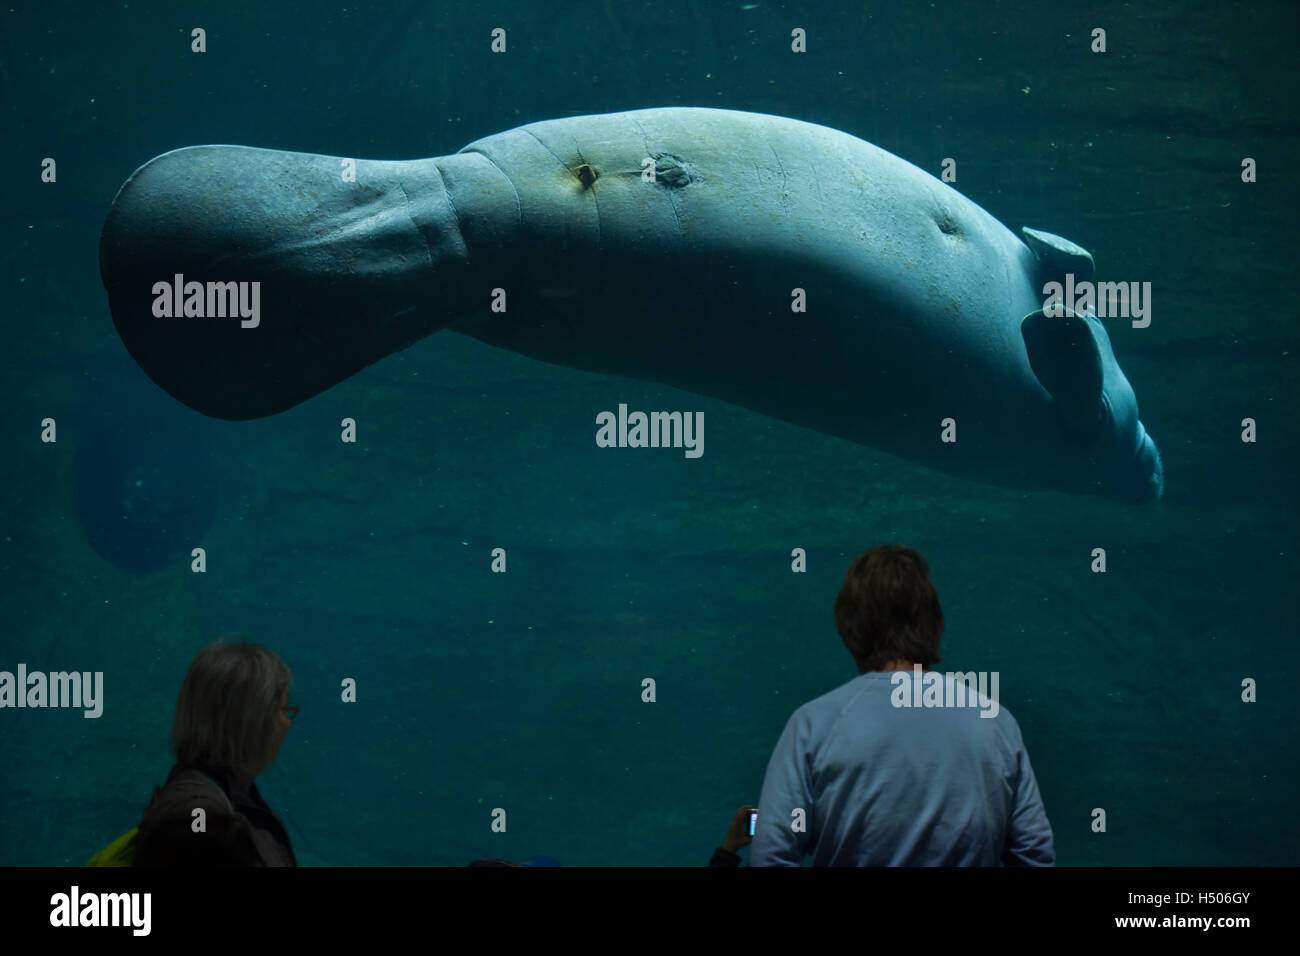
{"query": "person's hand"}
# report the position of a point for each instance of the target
(738, 835)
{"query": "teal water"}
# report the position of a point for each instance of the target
(522, 690)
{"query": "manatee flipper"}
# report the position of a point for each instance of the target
(1066, 360)
(1058, 256)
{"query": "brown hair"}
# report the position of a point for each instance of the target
(228, 707)
(887, 609)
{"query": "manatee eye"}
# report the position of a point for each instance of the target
(586, 175)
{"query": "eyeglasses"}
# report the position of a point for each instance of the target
(291, 710)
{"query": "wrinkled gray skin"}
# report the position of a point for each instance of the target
(915, 295)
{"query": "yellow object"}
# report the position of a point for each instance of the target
(121, 852)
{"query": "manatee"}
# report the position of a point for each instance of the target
(659, 244)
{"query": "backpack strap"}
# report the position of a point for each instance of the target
(201, 776)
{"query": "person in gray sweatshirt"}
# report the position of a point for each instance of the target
(901, 766)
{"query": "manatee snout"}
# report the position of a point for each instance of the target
(1140, 477)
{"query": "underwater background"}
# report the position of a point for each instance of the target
(522, 690)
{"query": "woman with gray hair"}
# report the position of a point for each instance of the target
(231, 717)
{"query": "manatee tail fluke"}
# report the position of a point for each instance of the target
(244, 281)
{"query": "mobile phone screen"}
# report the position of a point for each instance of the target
(753, 821)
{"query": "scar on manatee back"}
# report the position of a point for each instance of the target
(671, 172)
(947, 224)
